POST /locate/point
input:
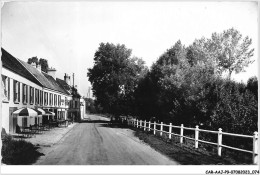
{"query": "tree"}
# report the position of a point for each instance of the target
(252, 85)
(33, 60)
(114, 77)
(42, 62)
(231, 50)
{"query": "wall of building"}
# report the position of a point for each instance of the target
(9, 105)
(60, 110)
(9, 120)
(82, 108)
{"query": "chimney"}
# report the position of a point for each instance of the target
(33, 64)
(52, 72)
(39, 67)
(67, 78)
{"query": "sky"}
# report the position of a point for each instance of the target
(68, 34)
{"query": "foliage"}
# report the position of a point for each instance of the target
(90, 106)
(42, 62)
(184, 86)
(252, 86)
(114, 77)
(18, 152)
(231, 107)
(231, 50)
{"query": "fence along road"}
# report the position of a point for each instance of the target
(152, 126)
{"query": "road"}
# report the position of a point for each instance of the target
(96, 143)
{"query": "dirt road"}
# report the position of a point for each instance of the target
(96, 143)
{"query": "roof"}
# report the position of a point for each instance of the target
(54, 83)
(71, 90)
(45, 79)
(33, 74)
(64, 85)
(13, 64)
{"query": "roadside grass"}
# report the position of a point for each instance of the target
(186, 154)
(18, 152)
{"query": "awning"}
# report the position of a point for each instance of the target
(40, 111)
(26, 112)
(49, 113)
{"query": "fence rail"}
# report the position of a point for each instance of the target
(153, 127)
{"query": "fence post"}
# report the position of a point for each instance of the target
(196, 136)
(255, 148)
(181, 138)
(149, 126)
(141, 124)
(161, 128)
(170, 131)
(137, 124)
(134, 122)
(144, 125)
(154, 127)
(219, 141)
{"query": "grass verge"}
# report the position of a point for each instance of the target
(186, 154)
(18, 152)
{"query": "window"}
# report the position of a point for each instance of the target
(6, 87)
(36, 96)
(16, 91)
(31, 95)
(59, 100)
(66, 101)
(71, 103)
(55, 99)
(40, 97)
(45, 98)
(25, 93)
(51, 99)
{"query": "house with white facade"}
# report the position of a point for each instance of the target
(25, 85)
(19, 89)
(53, 94)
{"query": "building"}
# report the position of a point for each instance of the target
(76, 109)
(25, 85)
(18, 90)
(53, 94)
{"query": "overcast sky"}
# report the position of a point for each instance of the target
(67, 34)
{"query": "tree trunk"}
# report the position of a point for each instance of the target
(229, 74)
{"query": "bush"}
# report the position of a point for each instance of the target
(18, 152)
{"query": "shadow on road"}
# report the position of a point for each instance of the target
(105, 123)
(113, 125)
(95, 121)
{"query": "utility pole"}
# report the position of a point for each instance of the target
(73, 78)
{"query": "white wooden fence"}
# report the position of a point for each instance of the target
(143, 125)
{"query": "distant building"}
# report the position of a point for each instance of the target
(76, 109)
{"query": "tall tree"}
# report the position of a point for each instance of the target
(114, 77)
(232, 51)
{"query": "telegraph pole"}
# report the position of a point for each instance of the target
(73, 78)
